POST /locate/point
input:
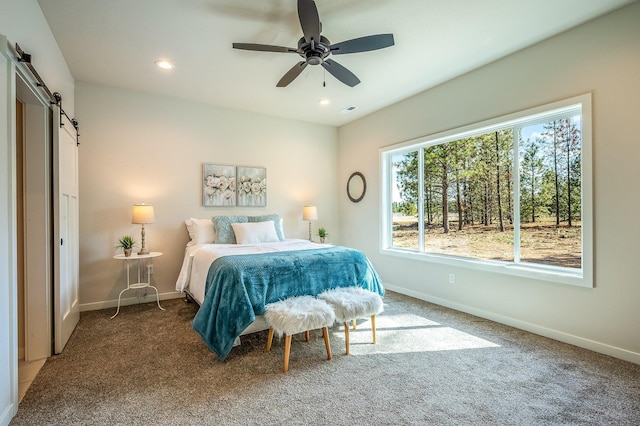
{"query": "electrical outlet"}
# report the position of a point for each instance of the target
(452, 278)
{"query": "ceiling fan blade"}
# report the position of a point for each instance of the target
(292, 74)
(340, 72)
(263, 47)
(363, 44)
(309, 20)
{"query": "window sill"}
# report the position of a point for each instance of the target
(542, 273)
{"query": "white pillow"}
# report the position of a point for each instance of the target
(200, 231)
(255, 232)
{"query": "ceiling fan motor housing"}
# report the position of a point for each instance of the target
(314, 53)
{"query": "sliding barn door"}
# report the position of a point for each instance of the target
(65, 223)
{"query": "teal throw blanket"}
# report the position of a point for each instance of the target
(238, 287)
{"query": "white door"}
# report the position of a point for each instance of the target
(65, 223)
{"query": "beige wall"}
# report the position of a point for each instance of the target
(602, 57)
(138, 147)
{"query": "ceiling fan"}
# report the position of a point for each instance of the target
(315, 48)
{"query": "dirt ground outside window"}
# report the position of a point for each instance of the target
(540, 243)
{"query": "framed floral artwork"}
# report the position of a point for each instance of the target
(252, 186)
(218, 185)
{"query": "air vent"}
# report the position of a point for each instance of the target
(348, 110)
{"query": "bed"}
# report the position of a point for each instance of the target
(232, 281)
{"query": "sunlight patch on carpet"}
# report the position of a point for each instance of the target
(406, 333)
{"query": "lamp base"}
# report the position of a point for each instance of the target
(143, 249)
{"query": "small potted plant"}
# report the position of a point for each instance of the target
(322, 233)
(126, 243)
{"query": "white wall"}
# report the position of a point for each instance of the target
(22, 22)
(602, 57)
(138, 147)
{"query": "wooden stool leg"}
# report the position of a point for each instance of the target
(346, 338)
(287, 351)
(373, 328)
(269, 340)
(354, 323)
(306, 336)
(325, 334)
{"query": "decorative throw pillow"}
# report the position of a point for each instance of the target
(200, 231)
(276, 220)
(224, 231)
(255, 233)
(191, 230)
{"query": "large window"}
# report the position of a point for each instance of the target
(511, 195)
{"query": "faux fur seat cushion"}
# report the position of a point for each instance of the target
(297, 314)
(350, 303)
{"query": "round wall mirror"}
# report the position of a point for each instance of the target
(356, 187)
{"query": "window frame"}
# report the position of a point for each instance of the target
(582, 277)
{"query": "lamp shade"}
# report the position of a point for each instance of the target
(142, 213)
(309, 213)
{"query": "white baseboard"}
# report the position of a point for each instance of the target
(7, 415)
(581, 342)
(149, 297)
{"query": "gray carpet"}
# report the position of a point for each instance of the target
(431, 366)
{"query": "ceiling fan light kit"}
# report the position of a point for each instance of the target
(315, 48)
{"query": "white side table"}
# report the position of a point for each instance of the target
(143, 261)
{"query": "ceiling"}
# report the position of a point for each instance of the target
(116, 43)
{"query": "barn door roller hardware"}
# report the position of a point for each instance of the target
(54, 98)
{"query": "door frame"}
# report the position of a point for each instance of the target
(38, 221)
(8, 246)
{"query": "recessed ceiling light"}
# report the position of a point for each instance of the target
(324, 102)
(164, 64)
(348, 110)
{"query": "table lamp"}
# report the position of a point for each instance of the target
(142, 214)
(309, 213)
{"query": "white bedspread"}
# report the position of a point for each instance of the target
(198, 259)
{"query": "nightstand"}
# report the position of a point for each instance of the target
(143, 261)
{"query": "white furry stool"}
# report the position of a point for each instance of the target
(351, 303)
(295, 315)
